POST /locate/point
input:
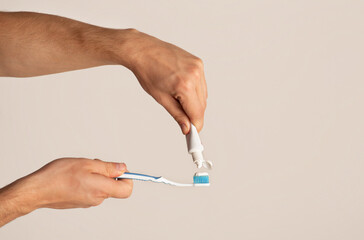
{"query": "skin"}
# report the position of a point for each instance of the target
(64, 183)
(33, 44)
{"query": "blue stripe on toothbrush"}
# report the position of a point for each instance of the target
(138, 174)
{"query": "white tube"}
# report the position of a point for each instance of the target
(195, 148)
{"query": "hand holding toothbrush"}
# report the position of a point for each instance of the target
(64, 183)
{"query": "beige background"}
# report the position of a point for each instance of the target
(284, 124)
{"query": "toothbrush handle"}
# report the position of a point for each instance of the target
(144, 177)
(137, 176)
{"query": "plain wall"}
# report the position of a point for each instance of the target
(284, 124)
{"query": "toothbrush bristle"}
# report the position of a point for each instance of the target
(201, 179)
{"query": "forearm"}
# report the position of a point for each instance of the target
(8, 212)
(16, 200)
(33, 44)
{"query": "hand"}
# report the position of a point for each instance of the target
(172, 76)
(64, 183)
(52, 44)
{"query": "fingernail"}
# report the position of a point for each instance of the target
(184, 128)
(120, 166)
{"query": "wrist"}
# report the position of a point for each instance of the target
(125, 49)
(113, 46)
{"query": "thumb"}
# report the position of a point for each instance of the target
(108, 169)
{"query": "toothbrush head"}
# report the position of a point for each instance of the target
(201, 179)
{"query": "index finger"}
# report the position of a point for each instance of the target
(192, 106)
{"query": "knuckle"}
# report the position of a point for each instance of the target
(204, 104)
(195, 71)
(159, 99)
(132, 30)
(179, 118)
(86, 164)
(198, 62)
(101, 194)
(97, 196)
(108, 168)
(96, 202)
(185, 85)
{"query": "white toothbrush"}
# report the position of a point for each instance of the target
(199, 179)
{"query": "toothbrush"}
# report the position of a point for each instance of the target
(195, 148)
(199, 179)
